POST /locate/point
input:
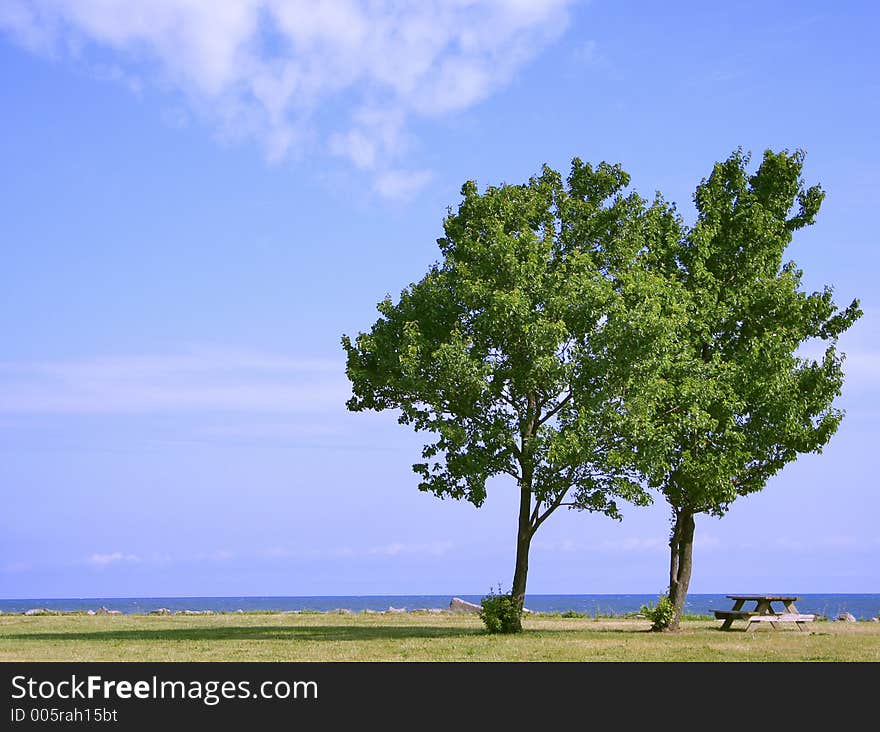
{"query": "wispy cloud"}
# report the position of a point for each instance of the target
(400, 185)
(433, 548)
(635, 544)
(393, 549)
(104, 560)
(839, 543)
(118, 558)
(199, 380)
(268, 430)
(346, 76)
(221, 555)
(624, 545)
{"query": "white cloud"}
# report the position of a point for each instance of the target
(104, 560)
(624, 545)
(202, 379)
(827, 544)
(346, 74)
(268, 430)
(636, 544)
(221, 555)
(401, 184)
(435, 548)
(706, 541)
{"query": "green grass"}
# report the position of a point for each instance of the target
(413, 637)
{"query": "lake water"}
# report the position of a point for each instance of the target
(862, 606)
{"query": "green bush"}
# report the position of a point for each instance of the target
(500, 613)
(660, 614)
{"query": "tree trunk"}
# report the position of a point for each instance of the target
(525, 529)
(523, 542)
(681, 546)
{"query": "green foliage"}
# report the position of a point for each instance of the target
(517, 351)
(739, 399)
(660, 614)
(588, 344)
(500, 612)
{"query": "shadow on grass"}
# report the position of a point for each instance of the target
(291, 633)
(274, 633)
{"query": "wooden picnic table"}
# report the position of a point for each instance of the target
(763, 611)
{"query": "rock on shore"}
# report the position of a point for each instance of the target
(457, 605)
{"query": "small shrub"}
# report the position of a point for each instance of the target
(660, 614)
(499, 613)
(572, 614)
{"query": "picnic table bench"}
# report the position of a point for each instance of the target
(763, 612)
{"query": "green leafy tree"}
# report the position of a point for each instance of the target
(516, 350)
(741, 401)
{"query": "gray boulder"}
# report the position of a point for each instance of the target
(396, 610)
(161, 611)
(457, 605)
(38, 611)
(847, 617)
(875, 620)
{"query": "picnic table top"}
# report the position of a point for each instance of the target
(770, 598)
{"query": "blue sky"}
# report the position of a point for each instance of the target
(195, 204)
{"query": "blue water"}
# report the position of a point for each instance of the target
(862, 606)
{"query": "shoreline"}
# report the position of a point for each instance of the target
(862, 606)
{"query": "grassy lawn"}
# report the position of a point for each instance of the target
(413, 637)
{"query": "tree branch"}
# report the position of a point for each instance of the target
(566, 399)
(512, 473)
(556, 503)
(508, 399)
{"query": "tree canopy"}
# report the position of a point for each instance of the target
(516, 351)
(587, 344)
